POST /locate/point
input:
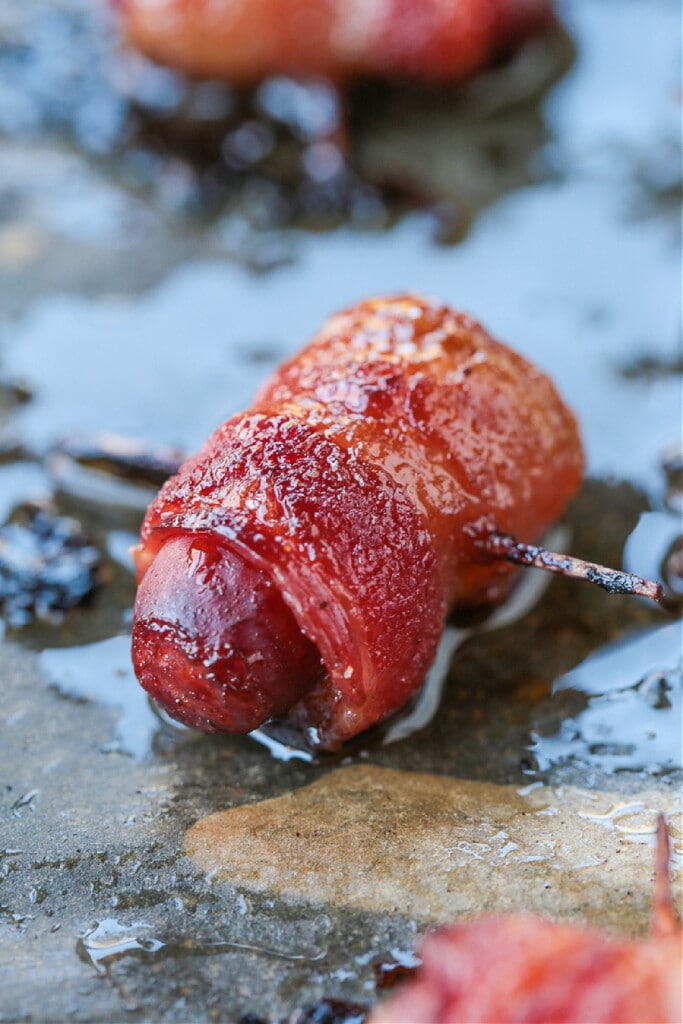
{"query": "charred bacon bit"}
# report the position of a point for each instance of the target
(329, 1011)
(125, 457)
(47, 566)
(614, 581)
(390, 973)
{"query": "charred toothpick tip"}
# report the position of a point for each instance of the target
(504, 546)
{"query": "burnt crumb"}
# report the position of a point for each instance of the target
(653, 368)
(329, 1011)
(655, 689)
(47, 565)
(274, 156)
(672, 465)
(14, 393)
(124, 457)
(261, 355)
(390, 973)
(672, 568)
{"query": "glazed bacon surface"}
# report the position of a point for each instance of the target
(244, 41)
(528, 969)
(302, 564)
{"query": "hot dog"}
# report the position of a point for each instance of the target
(303, 563)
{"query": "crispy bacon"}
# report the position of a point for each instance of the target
(301, 565)
(244, 41)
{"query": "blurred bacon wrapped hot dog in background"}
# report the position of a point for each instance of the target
(244, 41)
(302, 564)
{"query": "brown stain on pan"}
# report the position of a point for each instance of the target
(434, 848)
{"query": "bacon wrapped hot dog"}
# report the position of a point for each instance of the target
(244, 41)
(302, 564)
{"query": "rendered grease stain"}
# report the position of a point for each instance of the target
(434, 848)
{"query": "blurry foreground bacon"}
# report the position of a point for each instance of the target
(244, 41)
(528, 969)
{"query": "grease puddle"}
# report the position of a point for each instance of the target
(103, 672)
(110, 941)
(633, 717)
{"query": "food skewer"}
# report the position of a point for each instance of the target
(614, 581)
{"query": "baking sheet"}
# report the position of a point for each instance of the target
(141, 298)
